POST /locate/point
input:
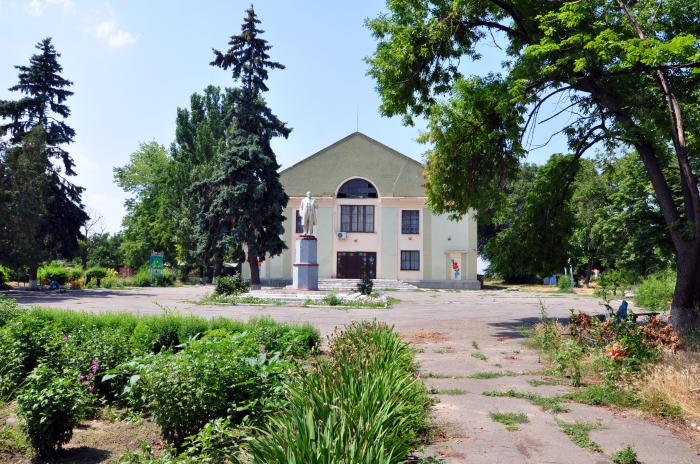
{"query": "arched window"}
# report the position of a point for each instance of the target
(357, 188)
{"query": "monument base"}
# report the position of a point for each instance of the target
(305, 272)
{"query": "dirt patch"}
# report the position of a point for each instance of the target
(426, 337)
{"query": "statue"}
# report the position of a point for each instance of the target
(307, 211)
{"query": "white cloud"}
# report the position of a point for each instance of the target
(113, 35)
(37, 7)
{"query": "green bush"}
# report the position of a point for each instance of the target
(53, 272)
(97, 273)
(211, 378)
(566, 285)
(363, 404)
(611, 282)
(656, 291)
(25, 342)
(5, 275)
(51, 404)
(365, 286)
(235, 285)
(142, 278)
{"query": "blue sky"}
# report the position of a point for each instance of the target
(134, 62)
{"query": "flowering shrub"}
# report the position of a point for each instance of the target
(51, 404)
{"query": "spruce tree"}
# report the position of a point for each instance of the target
(244, 201)
(43, 105)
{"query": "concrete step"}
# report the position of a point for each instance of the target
(346, 285)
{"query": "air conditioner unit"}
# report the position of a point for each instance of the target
(342, 235)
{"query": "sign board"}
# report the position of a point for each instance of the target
(157, 261)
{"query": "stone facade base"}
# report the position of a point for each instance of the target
(448, 284)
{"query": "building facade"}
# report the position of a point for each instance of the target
(373, 219)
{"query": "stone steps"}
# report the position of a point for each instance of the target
(349, 285)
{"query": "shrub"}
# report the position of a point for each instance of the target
(626, 455)
(97, 273)
(51, 405)
(656, 291)
(5, 275)
(53, 272)
(142, 278)
(235, 285)
(566, 285)
(365, 286)
(609, 283)
(25, 342)
(209, 379)
(363, 404)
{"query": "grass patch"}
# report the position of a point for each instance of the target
(547, 403)
(439, 375)
(444, 350)
(539, 383)
(485, 375)
(479, 355)
(237, 300)
(597, 395)
(626, 455)
(452, 391)
(510, 419)
(579, 432)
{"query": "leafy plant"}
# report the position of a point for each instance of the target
(566, 285)
(53, 272)
(51, 404)
(97, 273)
(579, 433)
(626, 455)
(235, 285)
(362, 404)
(365, 286)
(510, 419)
(656, 291)
(568, 359)
(5, 275)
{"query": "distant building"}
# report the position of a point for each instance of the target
(373, 220)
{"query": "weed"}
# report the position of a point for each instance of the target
(485, 375)
(626, 455)
(551, 404)
(579, 432)
(539, 383)
(452, 391)
(479, 355)
(510, 419)
(444, 350)
(475, 345)
(439, 375)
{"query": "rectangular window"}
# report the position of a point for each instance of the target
(410, 260)
(299, 225)
(410, 220)
(357, 218)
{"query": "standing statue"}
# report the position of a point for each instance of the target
(307, 211)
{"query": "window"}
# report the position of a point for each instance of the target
(357, 188)
(299, 225)
(410, 220)
(357, 218)
(410, 260)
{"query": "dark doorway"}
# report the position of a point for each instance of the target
(357, 264)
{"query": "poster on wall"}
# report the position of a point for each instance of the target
(455, 267)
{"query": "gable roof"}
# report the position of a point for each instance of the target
(357, 155)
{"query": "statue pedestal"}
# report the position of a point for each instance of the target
(305, 272)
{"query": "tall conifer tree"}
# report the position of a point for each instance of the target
(43, 104)
(244, 201)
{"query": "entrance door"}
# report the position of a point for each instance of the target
(356, 264)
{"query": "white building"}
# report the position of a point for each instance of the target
(373, 219)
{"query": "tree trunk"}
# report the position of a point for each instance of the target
(589, 270)
(216, 271)
(254, 270)
(33, 279)
(685, 308)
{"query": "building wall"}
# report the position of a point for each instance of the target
(398, 180)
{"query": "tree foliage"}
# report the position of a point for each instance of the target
(626, 72)
(37, 120)
(242, 203)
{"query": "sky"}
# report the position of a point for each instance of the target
(134, 62)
